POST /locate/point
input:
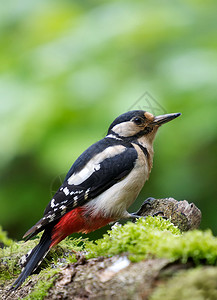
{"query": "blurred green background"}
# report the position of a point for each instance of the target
(68, 68)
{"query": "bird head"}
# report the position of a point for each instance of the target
(136, 124)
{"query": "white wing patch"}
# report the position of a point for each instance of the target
(51, 217)
(115, 201)
(94, 164)
(52, 203)
(66, 191)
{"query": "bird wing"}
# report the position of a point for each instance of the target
(88, 178)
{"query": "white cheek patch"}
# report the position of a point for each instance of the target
(126, 129)
(94, 164)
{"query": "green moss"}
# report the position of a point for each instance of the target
(66, 251)
(150, 237)
(156, 237)
(197, 284)
(200, 246)
(73, 244)
(4, 240)
(46, 279)
(9, 257)
(140, 239)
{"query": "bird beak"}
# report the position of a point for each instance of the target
(160, 120)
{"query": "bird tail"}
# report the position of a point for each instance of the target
(33, 259)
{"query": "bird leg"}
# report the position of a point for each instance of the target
(135, 216)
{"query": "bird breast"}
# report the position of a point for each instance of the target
(115, 201)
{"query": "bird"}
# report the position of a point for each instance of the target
(99, 187)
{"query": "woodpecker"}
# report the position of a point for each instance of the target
(100, 186)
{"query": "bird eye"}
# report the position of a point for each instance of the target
(138, 121)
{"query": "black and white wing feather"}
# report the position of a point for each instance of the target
(101, 166)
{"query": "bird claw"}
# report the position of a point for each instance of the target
(135, 216)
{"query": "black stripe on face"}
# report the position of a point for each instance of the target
(141, 133)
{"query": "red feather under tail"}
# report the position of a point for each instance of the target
(77, 220)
